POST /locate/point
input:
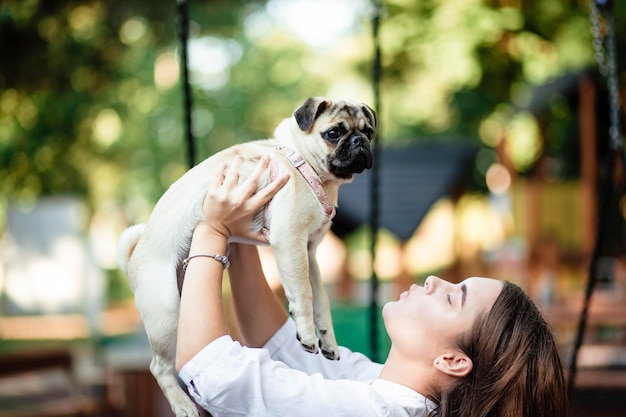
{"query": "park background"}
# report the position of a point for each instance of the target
(494, 115)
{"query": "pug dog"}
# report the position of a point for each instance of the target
(321, 146)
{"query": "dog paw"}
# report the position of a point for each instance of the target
(329, 354)
(309, 347)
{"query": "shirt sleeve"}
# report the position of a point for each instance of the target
(228, 379)
(284, 347)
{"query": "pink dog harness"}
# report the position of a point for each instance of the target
(309, 175)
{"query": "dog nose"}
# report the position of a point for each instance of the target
(357, 140)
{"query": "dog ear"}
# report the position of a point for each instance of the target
(311, 109)
(370, 114)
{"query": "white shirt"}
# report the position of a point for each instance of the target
(282, 380)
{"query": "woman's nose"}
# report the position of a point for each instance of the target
(431, 284)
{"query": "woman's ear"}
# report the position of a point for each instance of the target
(456, 364)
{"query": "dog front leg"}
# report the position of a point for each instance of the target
(321, 311)
(293, 265)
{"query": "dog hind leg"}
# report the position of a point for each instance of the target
(292, 263)
(164, 372)
(159, 312)
(321, 312)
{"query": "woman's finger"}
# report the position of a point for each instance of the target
(251, 183)
(232, 174)
(218, 179)
(269, 191)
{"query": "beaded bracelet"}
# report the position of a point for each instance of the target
(220, 258)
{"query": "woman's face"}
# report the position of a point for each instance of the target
(426, 320)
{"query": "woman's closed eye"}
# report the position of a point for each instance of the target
(449, 299)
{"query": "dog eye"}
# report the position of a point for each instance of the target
(334, 134)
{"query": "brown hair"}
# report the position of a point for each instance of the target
(516, 371)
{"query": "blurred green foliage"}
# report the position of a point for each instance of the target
(90, 101)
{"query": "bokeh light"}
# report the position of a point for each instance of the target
(498, 179)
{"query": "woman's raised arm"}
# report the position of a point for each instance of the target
(259, 311)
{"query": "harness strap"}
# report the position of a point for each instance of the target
(311, 178)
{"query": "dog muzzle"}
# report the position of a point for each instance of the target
(353, 157)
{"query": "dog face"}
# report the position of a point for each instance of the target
(346, 130)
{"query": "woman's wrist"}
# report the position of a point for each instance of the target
(215, 231)
(208, 240)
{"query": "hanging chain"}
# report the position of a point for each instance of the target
(598, 31)
(605, 56)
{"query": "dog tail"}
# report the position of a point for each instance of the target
(127, 244)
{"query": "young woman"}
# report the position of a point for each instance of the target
(477, 348)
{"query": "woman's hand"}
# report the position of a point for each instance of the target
(229, 208)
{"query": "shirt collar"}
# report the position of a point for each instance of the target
(412, 401)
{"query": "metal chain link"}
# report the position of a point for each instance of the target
(598, 38)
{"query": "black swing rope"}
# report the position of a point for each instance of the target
(183, 36)
(608, 68)
(374, 183)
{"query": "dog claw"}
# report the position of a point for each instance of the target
(309, 348)
(330, 355)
